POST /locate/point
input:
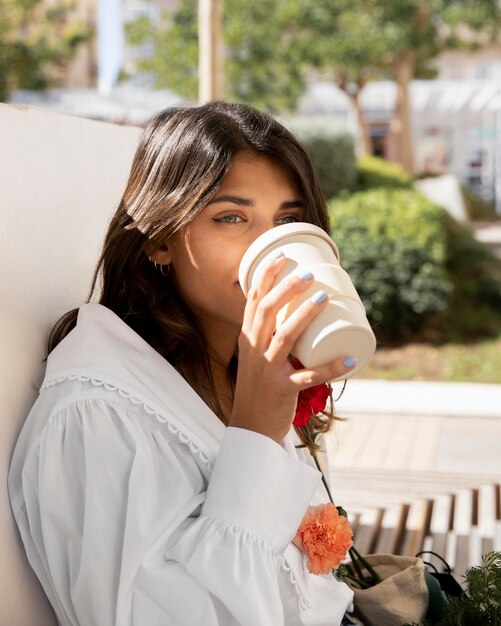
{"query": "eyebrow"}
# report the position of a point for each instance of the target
(291, 204)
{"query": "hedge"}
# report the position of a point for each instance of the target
(420, 274)
(334, 161)
(332, 153)
(476, 208)
(373, 172)
(475, 309)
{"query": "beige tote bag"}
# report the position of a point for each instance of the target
(401, 597)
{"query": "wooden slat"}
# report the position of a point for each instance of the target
(451, 546)
(461, 525)
(368, 530)
(474, 548)
(442, 516)
(487, 545)
(439, 544)
(497, 523)
(461, 532)
(354, 519)
(409, 481)
(486, 510)
(392, 529)
(497, 535)
(463, 556)
(463, 512)
(498, 501)
(416, 527)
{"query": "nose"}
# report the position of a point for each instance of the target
(258, 229)
(262, 227)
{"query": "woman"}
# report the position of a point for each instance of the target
(156, 479)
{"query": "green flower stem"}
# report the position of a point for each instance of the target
(356, 564)
(356, 581)
(323, 477)
(356, 557)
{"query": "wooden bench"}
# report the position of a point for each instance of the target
(460, 526)
(457, 516)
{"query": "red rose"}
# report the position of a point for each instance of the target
(310, 401)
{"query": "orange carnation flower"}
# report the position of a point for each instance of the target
(325, 537)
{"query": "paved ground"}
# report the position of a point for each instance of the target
(407, 440)
(490, 234)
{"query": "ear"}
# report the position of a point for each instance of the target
(160, 255)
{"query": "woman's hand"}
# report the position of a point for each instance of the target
(267, 385)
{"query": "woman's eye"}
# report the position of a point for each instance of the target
(228, 219)
(289, 219)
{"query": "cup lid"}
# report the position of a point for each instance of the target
(271, 237)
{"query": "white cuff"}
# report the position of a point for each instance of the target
(258, 486)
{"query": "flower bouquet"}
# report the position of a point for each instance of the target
(389, 590)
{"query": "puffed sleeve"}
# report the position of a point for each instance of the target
(130, 531)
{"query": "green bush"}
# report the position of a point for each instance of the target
(393, 244)
(476, 208)
(332, 153)
(374, 172)
(420, 274)
(475, 272)
(334, 161)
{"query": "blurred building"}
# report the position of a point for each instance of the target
(123, 105)
(82, 70)
(103, 59)
(484, 64)
(456, 126)
(117, 58)
(133, 10)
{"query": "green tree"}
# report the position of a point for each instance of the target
(417, 32)
(373, 38)
(174, 60)
(264, 64)
(274, 46)
(342, 43)
(261, 64)
(36, 43)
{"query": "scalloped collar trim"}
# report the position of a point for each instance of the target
(104, 348)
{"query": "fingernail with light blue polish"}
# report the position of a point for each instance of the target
(350, 361)
(278, 254)
(319, 297)
(306, 276)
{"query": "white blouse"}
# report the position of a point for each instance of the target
(137, 507)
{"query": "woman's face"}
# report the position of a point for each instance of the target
(257, 194)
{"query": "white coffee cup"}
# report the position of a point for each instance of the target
(342, 328)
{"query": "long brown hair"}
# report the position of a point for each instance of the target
(182, 158)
